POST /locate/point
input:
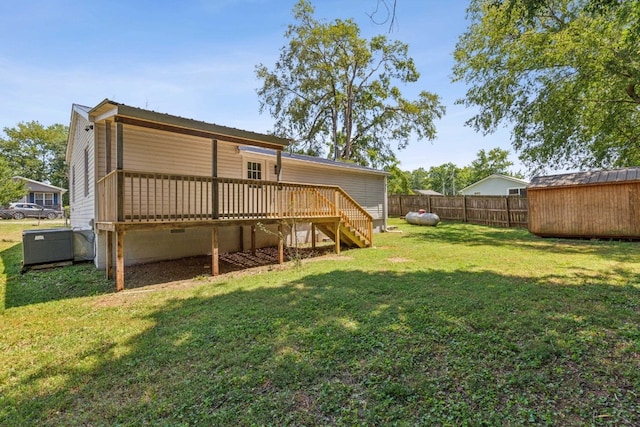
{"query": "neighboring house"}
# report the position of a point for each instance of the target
(178, 187)
(595, 204)
(46, 195)
(426, 192)
(497, 185)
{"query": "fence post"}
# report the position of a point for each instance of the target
(464, 208)
(506, 201)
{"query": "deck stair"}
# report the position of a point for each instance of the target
(356, 227)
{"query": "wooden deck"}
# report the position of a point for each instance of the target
(133, 200)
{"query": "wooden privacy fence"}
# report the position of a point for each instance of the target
(503, 211)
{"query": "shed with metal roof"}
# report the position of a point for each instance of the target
(594, 204)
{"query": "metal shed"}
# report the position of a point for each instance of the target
(595, 204)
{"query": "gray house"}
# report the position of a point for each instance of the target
(43, 194)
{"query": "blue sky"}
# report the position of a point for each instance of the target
(197, 58)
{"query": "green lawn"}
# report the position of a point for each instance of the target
(453, 325)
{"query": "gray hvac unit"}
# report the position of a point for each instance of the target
(47, 246)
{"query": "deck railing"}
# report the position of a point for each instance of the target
(131, 196)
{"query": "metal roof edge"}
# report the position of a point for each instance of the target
(593, 177)
(63, 190)
(184, 122)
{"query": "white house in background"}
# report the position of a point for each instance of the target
(153, 186)
(497, 185)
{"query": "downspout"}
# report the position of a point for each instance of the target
(385, 208)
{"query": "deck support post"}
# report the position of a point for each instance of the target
(120, 260)
(109, 255)
(337, 237)
(215, 266)
(313, 235)
(120, 173)
(280, 243)
(253, 239)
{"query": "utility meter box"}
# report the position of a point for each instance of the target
(47, 246)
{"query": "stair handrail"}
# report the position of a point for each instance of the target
(366, 229)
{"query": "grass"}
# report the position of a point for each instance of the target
(453, 325)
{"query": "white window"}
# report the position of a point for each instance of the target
(518, 192)
(43, 199)
(254, 170)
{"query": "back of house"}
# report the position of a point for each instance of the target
(164, 181)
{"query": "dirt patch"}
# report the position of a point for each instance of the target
(398, 260)
(184, 269)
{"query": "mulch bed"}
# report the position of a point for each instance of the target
(200, 266)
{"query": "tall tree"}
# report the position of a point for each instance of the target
(398, 181)
(37, 152)
(443, 178)
(419, 179)
(10, 190)
(488, 163)
(564, 73)
(332, 90)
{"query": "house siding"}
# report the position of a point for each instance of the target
(153, 150)
(82, 205)
(366, 189)
(157, 245)
(492, 187)
(160, 151)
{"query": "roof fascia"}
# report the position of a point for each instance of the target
(171, 123)
(53, 187)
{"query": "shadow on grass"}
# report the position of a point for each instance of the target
(81, 280)
(479, 235)
(38, 286)
(351, 348)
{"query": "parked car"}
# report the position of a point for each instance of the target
(30, 210)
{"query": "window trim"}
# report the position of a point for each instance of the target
(255, 169)
(522, 192)
(45, 197)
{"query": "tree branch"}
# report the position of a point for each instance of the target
(631, 91)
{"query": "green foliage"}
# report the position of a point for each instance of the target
(37, 152)
(10, 190)
(399, 181)
(565, 74)
(496, 161)
(332, 90)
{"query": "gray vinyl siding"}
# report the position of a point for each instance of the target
(82, 206)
